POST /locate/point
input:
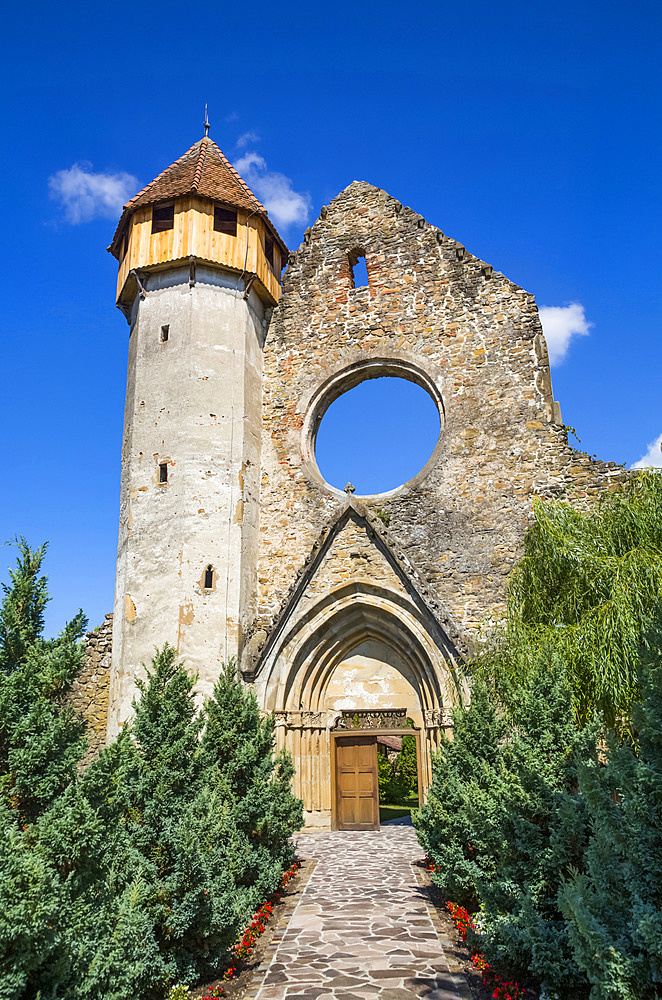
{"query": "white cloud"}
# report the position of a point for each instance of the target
(559, 324)
(284, 205)
(246, 139)
(85, 195)
(653, 456)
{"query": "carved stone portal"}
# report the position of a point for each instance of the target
(393, 718)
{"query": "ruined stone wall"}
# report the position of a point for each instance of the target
(473, 339)
(89, 692)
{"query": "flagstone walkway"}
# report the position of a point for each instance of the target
(363, 927)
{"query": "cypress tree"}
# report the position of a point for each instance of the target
(41, 744)
(542, 832)
(239, 747)
(142, 870)
(41, 739)
(458, 825)
(613, 907)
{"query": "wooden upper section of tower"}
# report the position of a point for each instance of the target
(199, 210)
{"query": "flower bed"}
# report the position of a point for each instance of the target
(502, 989)
(243, 948)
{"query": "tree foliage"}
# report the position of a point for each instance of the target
(588, 587)
(142, 870)
(613, 902)
(545, 810)
(41, 740)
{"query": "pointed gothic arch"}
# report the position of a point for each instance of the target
(309, 674)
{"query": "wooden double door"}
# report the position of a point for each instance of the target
(357, 786)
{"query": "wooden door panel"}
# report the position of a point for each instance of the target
(365, 783)
(356, 783)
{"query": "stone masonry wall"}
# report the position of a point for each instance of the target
(89, 692)
(465, 332)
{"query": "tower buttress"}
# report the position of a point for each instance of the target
(199, 271)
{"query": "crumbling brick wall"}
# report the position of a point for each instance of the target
(89, 692)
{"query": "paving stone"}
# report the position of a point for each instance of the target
(362, 928)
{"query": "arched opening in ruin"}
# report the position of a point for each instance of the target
(356, 668)
(377, 435)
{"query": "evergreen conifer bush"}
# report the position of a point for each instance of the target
(41, 740)
(613, 905)
(546, 808)
(142, 871)
(458, 825)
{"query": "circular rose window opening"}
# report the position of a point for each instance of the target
(377, 435)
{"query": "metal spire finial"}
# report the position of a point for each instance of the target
(206, 122)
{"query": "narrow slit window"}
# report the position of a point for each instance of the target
(359, 270)
(269, 249)
(125, 247)
(163, 472)
(163, 218)
(165, 333)
(209, 578)
(225, 221)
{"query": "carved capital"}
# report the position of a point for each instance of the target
(438, 718)
(313, 720)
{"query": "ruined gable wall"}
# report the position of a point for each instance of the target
(475, 337)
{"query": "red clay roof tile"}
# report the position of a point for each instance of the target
(204, 171)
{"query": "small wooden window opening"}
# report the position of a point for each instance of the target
(124, 247)
(165, 333)
(269, 249)
(163, 472)
(209, 578)
(225, 221)
(163, 218)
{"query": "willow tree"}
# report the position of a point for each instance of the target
(588, 588)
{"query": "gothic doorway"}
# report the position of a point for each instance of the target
(357, 786)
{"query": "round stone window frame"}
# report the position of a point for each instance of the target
(348, 377)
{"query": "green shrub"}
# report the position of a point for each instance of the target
(558, 842)
(613, 907)
(41, 739)
(141, 871)
(504, 823)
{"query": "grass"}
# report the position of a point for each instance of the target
(387, 812)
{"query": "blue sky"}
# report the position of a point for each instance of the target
(529, 132)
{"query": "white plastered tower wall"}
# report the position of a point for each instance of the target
(194, 402)
(199, 272)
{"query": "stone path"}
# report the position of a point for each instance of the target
(363, 926)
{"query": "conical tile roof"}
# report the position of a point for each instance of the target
(203, 171)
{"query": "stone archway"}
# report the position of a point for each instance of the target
(361, 648)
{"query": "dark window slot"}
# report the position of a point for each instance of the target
(163, 472)
(225, 221)
(163, 218)
(209, 578)
(269, 249)
(165, 333)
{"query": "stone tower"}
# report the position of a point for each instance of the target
(199, 271)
